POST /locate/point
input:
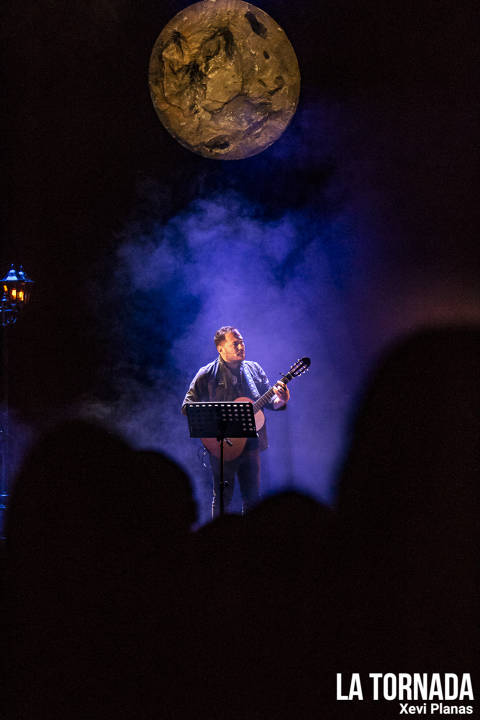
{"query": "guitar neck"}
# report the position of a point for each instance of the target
(266, 397)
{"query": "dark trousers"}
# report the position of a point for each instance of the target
(247, 468)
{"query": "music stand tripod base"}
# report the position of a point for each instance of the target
(221, 420)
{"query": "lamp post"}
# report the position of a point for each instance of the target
(16, 290)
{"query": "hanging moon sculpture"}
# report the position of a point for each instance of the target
(224, 79)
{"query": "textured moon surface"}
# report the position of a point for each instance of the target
(224, 79)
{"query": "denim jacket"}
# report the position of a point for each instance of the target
(215, 382)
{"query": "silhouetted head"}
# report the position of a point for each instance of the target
(289, 512)
(412, 466)
(164, 497)
(287, 531)
(73, 485)
(82, 484)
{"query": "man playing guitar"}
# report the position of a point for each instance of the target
(230, 377)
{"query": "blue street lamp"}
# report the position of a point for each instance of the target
(16, 290)
(16, 287)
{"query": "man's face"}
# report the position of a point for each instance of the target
(232, 350)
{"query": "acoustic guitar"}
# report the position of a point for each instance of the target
(233, 447)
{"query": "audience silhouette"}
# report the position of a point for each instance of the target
(117, 609)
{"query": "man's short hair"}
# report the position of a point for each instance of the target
(219, 337)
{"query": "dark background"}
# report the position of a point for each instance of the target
(380, 163)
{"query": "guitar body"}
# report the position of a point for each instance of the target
(231, 452)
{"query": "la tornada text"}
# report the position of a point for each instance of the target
(433, 688)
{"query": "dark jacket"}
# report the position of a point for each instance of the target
(215, 382)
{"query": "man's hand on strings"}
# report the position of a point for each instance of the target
(282, 392)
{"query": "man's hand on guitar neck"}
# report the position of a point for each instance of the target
(282, 394)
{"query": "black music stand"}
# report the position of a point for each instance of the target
(221, 420)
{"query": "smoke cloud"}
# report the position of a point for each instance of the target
(310, 274)
(220, 261)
